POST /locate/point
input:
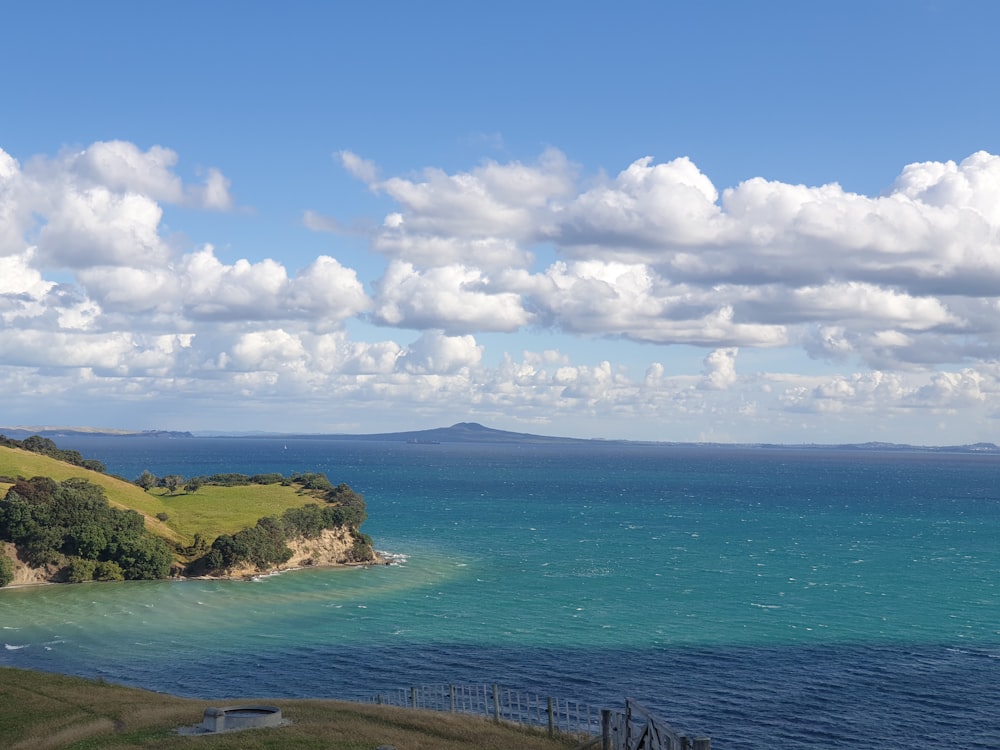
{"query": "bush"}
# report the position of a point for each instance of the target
(228, 480)
(162, 516)
(109, 571)
(81, 570)
(272, 478)
(313, 481)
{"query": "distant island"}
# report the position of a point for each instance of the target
(473, 432)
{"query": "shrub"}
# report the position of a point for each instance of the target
(228, 480)
(313, 481)
(108, 570)
(81, 570)
(272, 478)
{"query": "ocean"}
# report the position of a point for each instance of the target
(768, 598)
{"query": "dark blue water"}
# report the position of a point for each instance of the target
(768, 598)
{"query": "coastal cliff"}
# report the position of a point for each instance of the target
(332, 548)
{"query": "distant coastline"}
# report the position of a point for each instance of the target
(20, 432)
(472, 432)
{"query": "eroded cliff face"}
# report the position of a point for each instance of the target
(24, 575)
(331, 547)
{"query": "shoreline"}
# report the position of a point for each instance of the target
(381, 559)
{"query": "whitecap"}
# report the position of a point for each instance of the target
(15, 648)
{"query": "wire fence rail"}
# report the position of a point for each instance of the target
(635, 728)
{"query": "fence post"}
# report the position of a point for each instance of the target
(496, 703)
(552, 718)
(606, 729)
(451, 691)
(413, 697)
(702, 743)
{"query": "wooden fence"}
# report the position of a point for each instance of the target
(643, 730)
(636, 728)
(499, 704)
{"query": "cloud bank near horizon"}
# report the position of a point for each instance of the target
(897, 295)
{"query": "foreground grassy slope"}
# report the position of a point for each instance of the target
(43, 712)
(211, 511)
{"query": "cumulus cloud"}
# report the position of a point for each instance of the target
(899, 292)
(658, 253)
(437, 353)
(720, 369)
(123, 167)
(493, 200)
(453, 298)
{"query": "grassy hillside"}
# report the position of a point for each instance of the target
(210, 511)
(15, 462)
(214, 510)
(43, 712)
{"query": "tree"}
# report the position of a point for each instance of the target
(147, 480)
(108, 571)
(172, 482)
(81, 570)
(193, 485)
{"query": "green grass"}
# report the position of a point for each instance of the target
(41, 711)
(15, 462)
(214, 510)
(210, 511)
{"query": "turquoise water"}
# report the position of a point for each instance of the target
(765, 597)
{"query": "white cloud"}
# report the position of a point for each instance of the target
(434, 352)
(214, 194)
(452, 298)
(326, 290)
(488, 253)
(648, 205)
(898, 295)
(363, 169)
(99, 227)
(720, 369)
(123, 167)
(493, 200)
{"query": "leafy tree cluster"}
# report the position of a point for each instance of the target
(45, 446)
(147, 480)
(71, 524)
(266, 544)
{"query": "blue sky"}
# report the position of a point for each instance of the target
(721, 221)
